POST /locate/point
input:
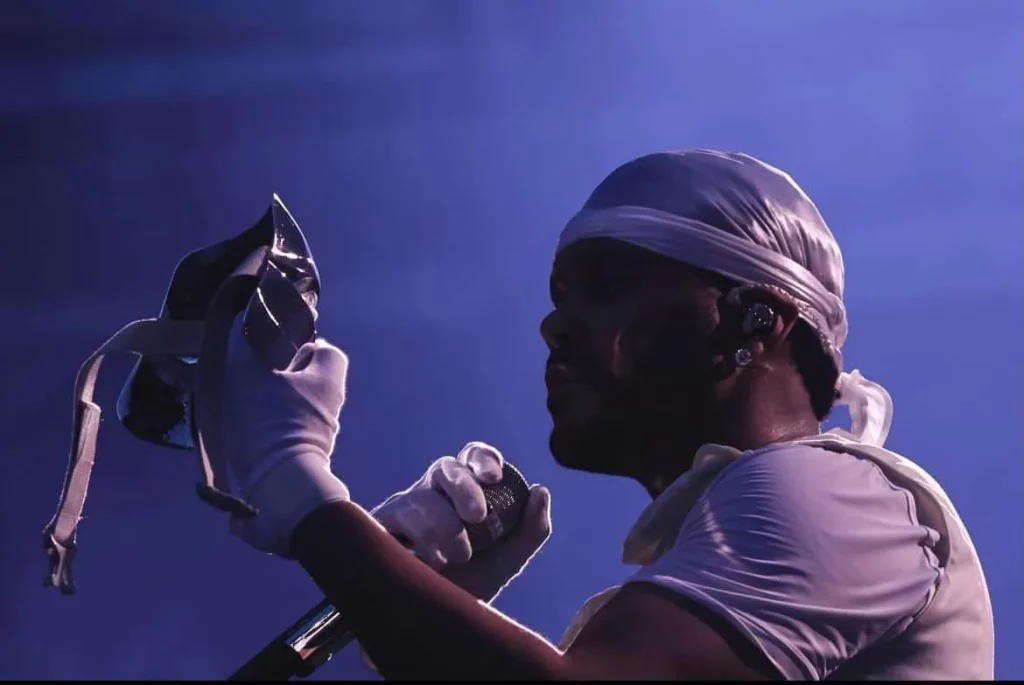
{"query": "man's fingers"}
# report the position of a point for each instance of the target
(327, 359)
(536, 524)
(432, 557)
(532, 532)
(458, 483)
(456, 549)
(424, 521)
(485, 461)
(487, 573)
(538, 505)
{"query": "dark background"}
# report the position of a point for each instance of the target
(431, 152)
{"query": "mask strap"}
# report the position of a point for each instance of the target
(207, 394)
(206, 340)
(144, 337)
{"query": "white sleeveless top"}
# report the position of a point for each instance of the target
(836, 559)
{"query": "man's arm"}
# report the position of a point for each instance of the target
(413, 623)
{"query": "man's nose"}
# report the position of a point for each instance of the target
(554, 329)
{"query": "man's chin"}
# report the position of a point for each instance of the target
(581, 448)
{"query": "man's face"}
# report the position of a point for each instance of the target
(631, 350)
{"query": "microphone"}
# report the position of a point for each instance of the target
(322, 632)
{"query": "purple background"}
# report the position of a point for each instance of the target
(431, 152)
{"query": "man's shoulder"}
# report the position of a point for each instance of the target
(819, 549)
(814, 554)
(816, 472)
(831, 515)
(841, 468)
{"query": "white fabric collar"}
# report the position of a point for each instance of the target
(658, 525)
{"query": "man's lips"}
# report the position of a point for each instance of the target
(562, 384)
(558, 373)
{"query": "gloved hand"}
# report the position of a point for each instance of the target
(277, 433)
(430, 517)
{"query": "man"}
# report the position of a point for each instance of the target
(695, 347)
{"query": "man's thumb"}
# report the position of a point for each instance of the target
(534, 528)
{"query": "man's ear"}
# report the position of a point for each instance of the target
(763, 317)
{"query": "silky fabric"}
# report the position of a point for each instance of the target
(773, 238)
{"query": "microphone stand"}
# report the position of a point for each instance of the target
(317, 636)
(301, 649)
(321, 632)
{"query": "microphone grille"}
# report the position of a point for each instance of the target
(505, 502)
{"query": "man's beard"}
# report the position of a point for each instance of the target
(595, 445)
(631, 426)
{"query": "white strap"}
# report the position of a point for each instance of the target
(147, 336)
(206, 340)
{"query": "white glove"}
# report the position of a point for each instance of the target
(277, 431)
(432, 524)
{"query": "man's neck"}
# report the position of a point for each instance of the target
(750, 423)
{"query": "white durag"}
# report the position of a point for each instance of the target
(776, 239)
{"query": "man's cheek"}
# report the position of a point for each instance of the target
(657, 355)
(630, 355)
(618, 360)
